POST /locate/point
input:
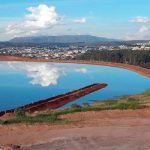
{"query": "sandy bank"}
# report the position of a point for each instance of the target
(143, 71)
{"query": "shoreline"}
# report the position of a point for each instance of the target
(57, 101)
(143, 71)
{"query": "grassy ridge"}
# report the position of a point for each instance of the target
(53, 116)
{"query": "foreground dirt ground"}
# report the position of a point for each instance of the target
(104, 130)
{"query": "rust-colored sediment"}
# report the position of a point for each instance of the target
(60, 100)
(143, 71)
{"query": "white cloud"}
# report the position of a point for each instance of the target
(43, 74)
(80, 20)
(142, 34)
(81, 70)
(143, 29)
(141, 19)
(39, 18)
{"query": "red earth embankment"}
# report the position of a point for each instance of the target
(58, 101)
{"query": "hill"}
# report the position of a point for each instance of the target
(62, 39)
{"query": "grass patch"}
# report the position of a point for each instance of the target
(53, 116)
(147, 93)
(124, 105)
(1, 122)
(129, 103)
(28, 119)
(19, 112)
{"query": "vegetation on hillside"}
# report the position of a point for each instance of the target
(138, 58)
(53, 116)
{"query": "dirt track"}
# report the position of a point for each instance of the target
(140, 70)
(105, 130)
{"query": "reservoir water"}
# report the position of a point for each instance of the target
(25, 82)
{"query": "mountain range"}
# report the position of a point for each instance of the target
(62, 39)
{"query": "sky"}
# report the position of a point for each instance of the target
(119, 19)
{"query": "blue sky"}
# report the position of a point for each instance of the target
(122, 19)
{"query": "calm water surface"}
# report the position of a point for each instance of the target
(22, 83)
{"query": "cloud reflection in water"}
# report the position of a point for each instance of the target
(81, 70)
(43, 74)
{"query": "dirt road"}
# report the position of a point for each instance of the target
(105, 130)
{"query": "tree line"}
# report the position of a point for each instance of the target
(138, 58)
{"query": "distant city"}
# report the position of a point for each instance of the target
(66, 51)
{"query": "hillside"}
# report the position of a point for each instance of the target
(62, 39)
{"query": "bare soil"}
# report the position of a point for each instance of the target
(104, 130)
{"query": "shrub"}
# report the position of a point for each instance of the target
(111, 102)
(19, 112)
(76, 107)
(49, 117)
(125, 105)
(147, 93)
(86, 104)
(122, 105)
(1, 122)
(132, 100)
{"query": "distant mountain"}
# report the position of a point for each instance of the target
(62, 39)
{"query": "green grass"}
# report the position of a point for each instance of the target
(147, 93)
(47, 118)
(53, 116)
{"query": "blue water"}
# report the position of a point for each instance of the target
(22, 83)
